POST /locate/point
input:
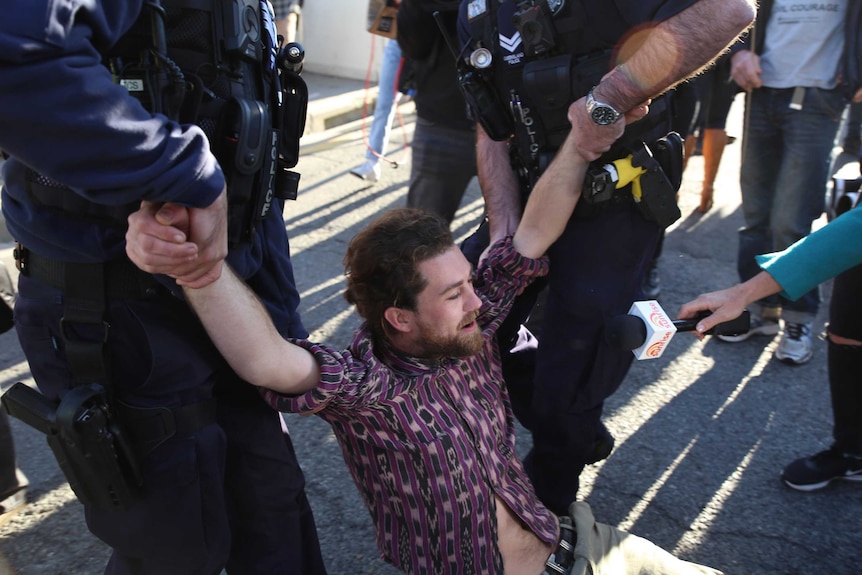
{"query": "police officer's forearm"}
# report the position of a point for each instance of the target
(675, 50)
(499, 185)
(242, 330)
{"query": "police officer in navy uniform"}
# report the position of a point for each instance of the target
(93, 121)
(528, 66)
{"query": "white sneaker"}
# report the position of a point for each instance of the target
(11, 505)
(795, 345)
(758, 326)
(369, 171)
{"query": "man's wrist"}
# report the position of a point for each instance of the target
(617, 89)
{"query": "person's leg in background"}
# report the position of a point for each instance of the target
(843, 460)
(287, 16)
(13, 483)
(762, 153)
(718, 98)
(444, 162)
(384, 113)
(800, 185)
(689, 112)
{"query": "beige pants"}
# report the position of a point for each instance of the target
(605, 550)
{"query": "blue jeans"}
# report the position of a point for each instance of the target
(785, 169)
(387, 99)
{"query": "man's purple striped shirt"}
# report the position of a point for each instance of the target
(431, 443)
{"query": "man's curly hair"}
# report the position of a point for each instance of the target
(382, 262)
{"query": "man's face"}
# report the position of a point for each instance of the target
(446, 310)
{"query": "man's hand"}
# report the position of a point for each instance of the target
(594, 140)
(188, 244)
(155, 247)
(745, 70)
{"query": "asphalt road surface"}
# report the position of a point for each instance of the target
(701, 433)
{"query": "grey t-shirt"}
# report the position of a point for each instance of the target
(804, 43)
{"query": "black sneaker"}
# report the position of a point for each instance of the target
(815, 472)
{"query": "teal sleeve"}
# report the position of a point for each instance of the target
(822, 255)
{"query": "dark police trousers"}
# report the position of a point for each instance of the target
(228, 495)
(558, 394)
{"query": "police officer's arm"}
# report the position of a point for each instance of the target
(233, 316)
(670, 52)
(675, 49)
(499, 185)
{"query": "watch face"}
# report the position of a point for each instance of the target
(556, 5)
(603, 115)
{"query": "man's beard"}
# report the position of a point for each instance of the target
(460, 345)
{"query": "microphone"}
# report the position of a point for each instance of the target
(647, 329)
(735, 326)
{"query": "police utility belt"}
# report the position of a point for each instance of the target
(642, 178)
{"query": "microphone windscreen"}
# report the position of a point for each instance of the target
(625, 332)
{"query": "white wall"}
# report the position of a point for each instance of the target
(336, 41)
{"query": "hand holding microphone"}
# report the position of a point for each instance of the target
(647, 329)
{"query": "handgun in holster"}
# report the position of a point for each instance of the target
(88, 442)
(655, 175)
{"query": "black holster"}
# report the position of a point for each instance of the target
(88, 442)
(659, 185)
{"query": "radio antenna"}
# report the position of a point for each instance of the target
(438, 18)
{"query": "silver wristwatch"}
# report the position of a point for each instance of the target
(601, 113)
